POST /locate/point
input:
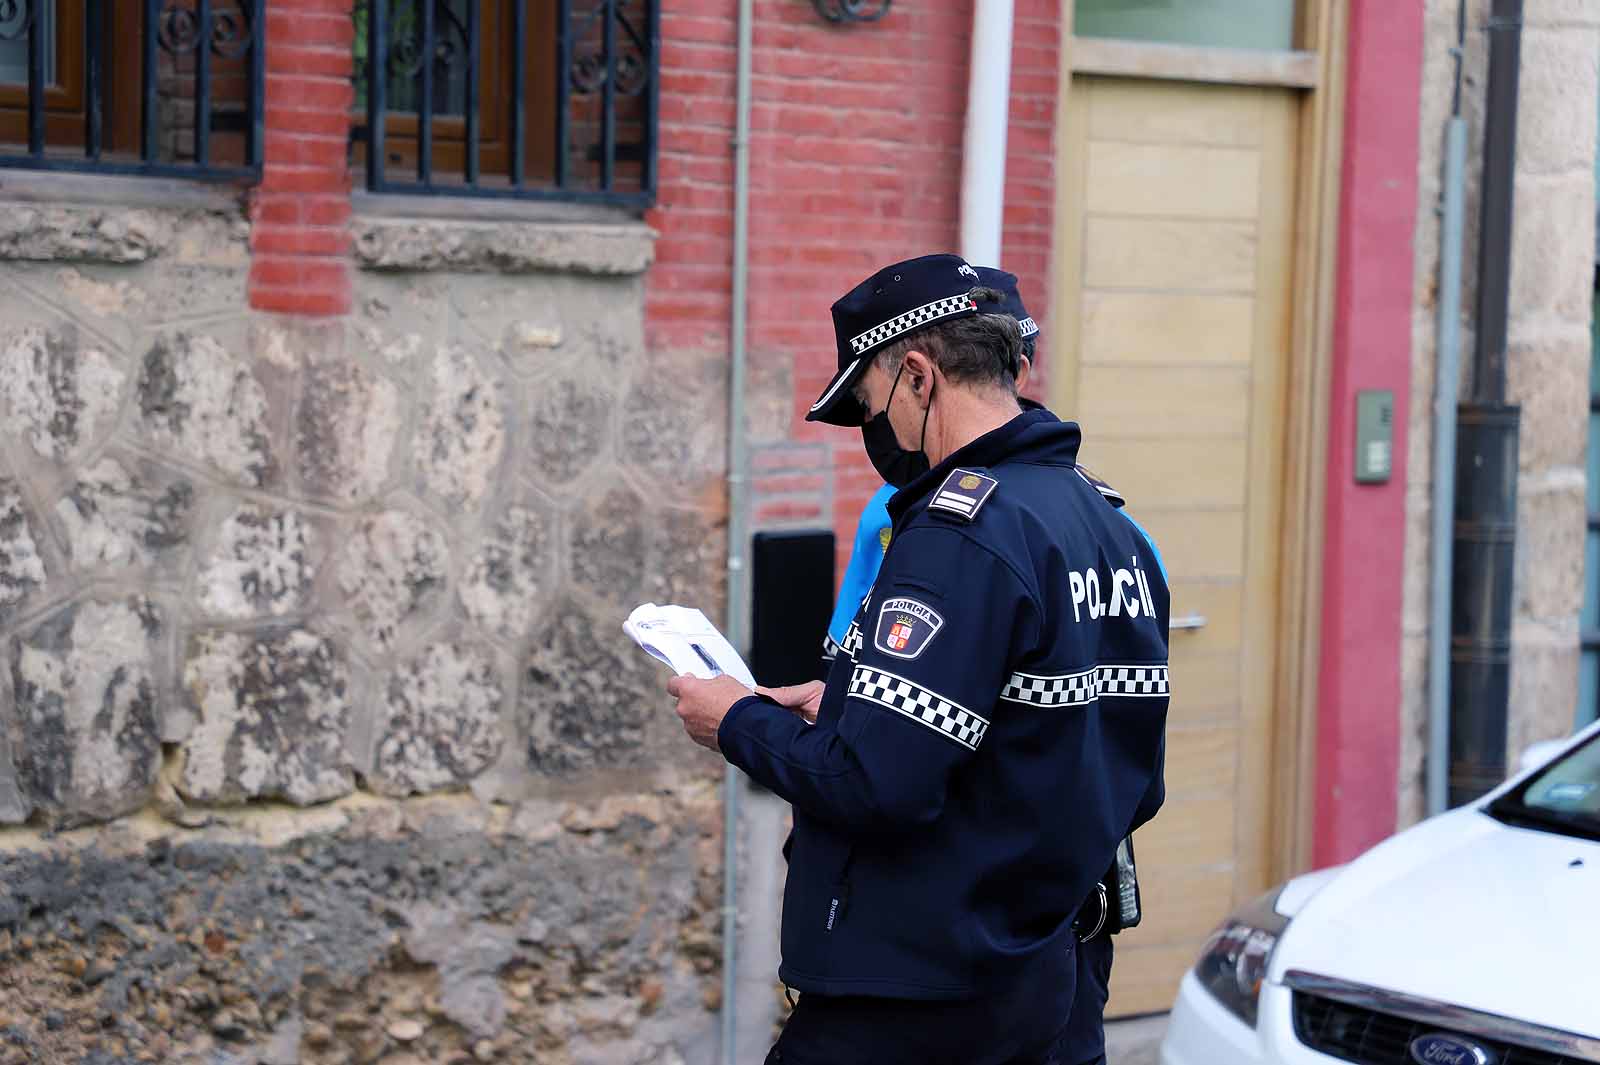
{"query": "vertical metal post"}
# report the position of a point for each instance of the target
(425, 103)
(563, 86)
(256, 136)
(377, 89)
(608, 114)
(652, 98)
(148, 81)
(202, 85)
(473, 50)
(519, 89)
(94, 56)
(36, 17)
(1446, 393)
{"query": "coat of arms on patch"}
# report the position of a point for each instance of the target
(906, 627)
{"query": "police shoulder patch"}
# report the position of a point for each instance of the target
(1111, 495)
(963, 494)
(906, 627)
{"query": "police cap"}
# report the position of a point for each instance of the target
(885, 307)
(1006, 285)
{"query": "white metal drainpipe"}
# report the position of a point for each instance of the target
(738, 563)
(983, 160)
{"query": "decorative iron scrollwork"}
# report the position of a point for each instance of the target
(405, 40)
(229, 36)
(15, 18)
(590, 66)
(838, 11)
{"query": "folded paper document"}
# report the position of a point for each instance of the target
(687, 642)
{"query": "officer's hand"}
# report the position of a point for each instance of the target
(702, 704)
(804, 699)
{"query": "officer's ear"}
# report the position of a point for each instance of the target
(919, 370)
(1024, 368)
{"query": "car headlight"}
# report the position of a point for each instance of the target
(1233, 963)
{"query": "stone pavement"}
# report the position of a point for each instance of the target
(1136, 1041)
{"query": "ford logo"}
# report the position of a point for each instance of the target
(1438, 1049)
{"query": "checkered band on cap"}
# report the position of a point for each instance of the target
(948, 719)
(1086, 686)
(1030, 328)
(912, 319)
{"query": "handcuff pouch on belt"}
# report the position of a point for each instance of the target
(1114, 905)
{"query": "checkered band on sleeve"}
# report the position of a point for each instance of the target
(913, 319)
(1086, 686)
(949, 719)
(852, 640)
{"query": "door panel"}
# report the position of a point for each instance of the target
(1174, 251)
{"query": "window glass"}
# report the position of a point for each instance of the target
(450, 55)
(14, 45)
(1267, 24)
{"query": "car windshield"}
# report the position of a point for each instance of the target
(1562, 797)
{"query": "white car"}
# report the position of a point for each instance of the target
(1470, 939)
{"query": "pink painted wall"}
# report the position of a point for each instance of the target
(1358, 705)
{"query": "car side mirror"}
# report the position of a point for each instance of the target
(1537, 754)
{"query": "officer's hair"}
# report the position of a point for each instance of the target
(979, 350)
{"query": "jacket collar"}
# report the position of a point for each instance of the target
(1032, 436)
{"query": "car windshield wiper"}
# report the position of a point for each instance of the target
(1514, 812)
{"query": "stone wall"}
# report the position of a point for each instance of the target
(250, 562)
(1551, 287)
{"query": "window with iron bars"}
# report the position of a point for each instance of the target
(144, 87)
(532, 99)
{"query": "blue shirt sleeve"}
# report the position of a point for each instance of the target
(865, 557)
(1154, 550)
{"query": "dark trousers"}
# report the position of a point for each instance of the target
(1024, 1025)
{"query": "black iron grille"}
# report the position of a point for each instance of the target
(1368, 1037)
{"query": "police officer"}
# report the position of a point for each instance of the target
(992, 724)
(1099, 918)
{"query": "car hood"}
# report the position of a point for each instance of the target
(1465, 911)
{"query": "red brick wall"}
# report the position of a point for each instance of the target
(300, 212)
(855, 161)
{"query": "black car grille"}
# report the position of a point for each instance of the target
(1368, 1037)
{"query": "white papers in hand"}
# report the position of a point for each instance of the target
(687, 642)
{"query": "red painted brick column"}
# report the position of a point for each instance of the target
(299, 236)
(1358, 705)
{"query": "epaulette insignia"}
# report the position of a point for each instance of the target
(1110, 494)
(963, 494)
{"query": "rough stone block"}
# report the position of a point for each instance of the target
(1550, 549)
(204, 405)
(106, 234)
(569, 426)
(1556, 108)
(273, 707)
(1544, 684)
(689, 558)
(463, 433)
(61, 392)
(588, 698)
(509, 577)
(552, 322)
(391, 571)
(440, 722)
(508, 247)
(346, 425)
(84, 682)
(668, 433)
(398, 317)
(1548, 374)
(1553, 269)
(126, 512)
(22, 571)
(610, 548)
(263, 564)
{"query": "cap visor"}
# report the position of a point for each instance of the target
(838, 405)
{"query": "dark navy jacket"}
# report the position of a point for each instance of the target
(992, 727)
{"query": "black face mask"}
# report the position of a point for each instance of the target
(897, 466)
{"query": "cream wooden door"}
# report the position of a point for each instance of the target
(1171, 349)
